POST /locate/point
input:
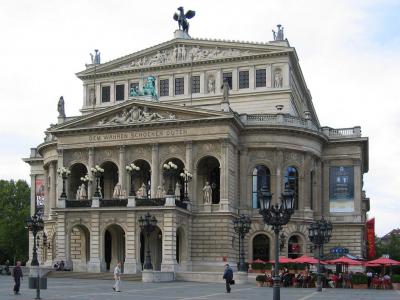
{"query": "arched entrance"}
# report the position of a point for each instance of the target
(176, 181)
(109, 179)
(295, 246)
(138, 178)
(261, 246)
(78, 170)
(208, 170)
(114, 246)
(155, 243)
(79, 247)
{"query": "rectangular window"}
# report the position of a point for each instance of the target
(243, 79)
(227, 77)
(164, 87)
(120, 92)
(261, 78)
(195, 84)
(105, 94)
(179, 86)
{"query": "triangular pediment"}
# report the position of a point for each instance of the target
(136, 112)
(183, 51)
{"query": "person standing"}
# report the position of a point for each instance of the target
(228, 276)
(369, 278)
(117, 277)
(17, 274)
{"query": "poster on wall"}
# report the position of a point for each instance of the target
(371, 238)
(39, 190)
(341, 189)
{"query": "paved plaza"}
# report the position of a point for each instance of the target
(82, 289)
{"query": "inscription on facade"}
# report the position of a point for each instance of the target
(137, 135)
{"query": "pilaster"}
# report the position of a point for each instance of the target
(122, 169)
(60, 164)
(244, 164)
(189, 165)
(155, 156)
(131, 265)
(169, 263)
(278, 171)
(94, 263)
(90, 166)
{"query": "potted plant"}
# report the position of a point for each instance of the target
(359, 281)
(258, 267)
(261, 279)
(395, 279)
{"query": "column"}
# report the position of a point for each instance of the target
(46, 191)
(92, 183)
(189, 165)
(94, 262)
(132, 263)
(224, 178)
(61, 239)
(278, 182)
(53, 185)
(60, 164)
(169, 263)
(307, 182)
(155, 170)
(122, 170)
(243, 178)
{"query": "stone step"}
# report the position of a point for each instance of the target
(87, 275)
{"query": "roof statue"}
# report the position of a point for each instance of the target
(60, 108)
(278, 36)
(96, 57)
(182, 18)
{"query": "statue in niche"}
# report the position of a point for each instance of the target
(211, 85)
(178, 187)
(92, 99)
(225, 92)
(142, 191)
(207, 193)
(78, 193)
(278, 80)
(61, 107)
(83, 193)
(117, 191)
(159, 193)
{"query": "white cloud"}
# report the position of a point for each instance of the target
(351, 73)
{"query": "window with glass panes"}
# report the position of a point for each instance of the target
(261, 78)
(164, 87)
(195, 84)
(227, 77)
(179, 86)
(243, 79)
(119, 92)
(105, 94)
(261, 178)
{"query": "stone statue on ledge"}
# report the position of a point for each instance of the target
(61, 107)
(207, 193)
(181, 18)
(278, 36)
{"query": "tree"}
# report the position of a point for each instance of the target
(14, 210)
(390, 246)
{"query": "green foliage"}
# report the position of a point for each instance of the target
(258, 266)
(390, 246)
(359, 278)
(14, 209)
(395, 278)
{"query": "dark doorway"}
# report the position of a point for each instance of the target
(107, 250)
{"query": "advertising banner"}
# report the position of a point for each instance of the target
(341, 189)
(371, 238)
(39, 193)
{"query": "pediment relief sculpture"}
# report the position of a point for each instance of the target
(136, 115)
(182, 53)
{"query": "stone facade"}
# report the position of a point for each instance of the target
(269, 135)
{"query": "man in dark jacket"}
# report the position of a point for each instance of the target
(17, 274)
(228, 276)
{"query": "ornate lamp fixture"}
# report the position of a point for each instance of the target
(64, 173)
(34, 224)
(187, 177)
(276, 215)
(242, 227)
(97, 172)
(170, 171)
(148, 224)
(319, 233)
(133, 170)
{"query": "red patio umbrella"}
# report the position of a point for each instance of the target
(283, 260)
(383, 261)
(307, 260)
(258, 261)
(344, 261)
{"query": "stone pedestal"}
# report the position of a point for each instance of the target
(180, 34)
(207, 207)
(170, 201)
(61, 202)
(131, 201)
(156, 276)
(131, 267)
(95, 202)
(94, 266)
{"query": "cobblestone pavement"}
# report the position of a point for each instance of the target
(82, 289)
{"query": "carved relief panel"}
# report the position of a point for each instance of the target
(74, 156)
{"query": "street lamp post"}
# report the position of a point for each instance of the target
(35, 224)
(187, 177)
(242, 227)
(319, 233)
(133, 170)
(64, 173)
(148, 224)
(97, 171)
(170, 171)
(276, 215)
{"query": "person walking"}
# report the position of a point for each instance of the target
(228, 276)
(117, 277)
(17, 275)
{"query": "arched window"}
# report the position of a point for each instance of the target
(261, 177)
(292, 183)
(261, 247)
(295, 247)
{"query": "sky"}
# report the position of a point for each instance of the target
(349, 52)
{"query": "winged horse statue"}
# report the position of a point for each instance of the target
(182, 18)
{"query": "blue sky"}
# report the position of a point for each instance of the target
(348, 51)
